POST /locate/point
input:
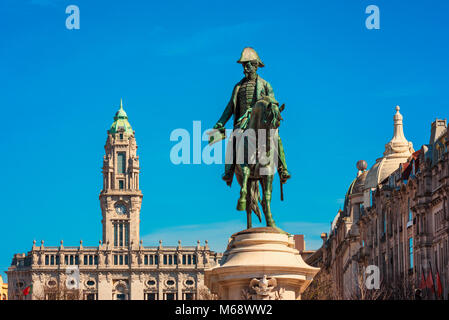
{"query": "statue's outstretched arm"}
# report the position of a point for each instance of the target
(228, 111)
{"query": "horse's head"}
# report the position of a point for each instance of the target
(271, 114)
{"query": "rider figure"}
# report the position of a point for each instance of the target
(244, 96)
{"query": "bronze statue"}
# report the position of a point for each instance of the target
(254, 107)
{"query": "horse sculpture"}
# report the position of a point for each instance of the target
(257, 143)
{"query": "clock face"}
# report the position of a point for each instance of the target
(120, 209)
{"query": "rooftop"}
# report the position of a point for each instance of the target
(121, 123)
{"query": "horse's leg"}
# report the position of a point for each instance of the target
(241, 204)
(249, 209)
(267, 189)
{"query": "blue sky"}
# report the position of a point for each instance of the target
(174, 63)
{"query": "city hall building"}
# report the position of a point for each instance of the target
(120, 267)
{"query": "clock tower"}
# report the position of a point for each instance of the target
(121, 198)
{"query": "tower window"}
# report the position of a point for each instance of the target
(121, 156)
(115, 235)
(120, 184)
(121, 234)
(126, 234)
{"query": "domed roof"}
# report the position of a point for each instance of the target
(356, 186)
(120, 121)
(397, 151)
(359, 183)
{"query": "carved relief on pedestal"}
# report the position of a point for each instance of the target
(263, 289)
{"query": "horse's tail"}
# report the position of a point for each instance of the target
(255, 198)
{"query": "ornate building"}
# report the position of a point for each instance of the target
(395, 217)
(120, 267)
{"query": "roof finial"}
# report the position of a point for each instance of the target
(121, 103)
(398, 135)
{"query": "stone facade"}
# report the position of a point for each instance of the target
(120, 267)
(395, 217)
(3, 290)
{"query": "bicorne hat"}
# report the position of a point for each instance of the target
(249, 54)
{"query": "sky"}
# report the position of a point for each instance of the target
(174, 62)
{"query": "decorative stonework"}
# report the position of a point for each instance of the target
(263, 289)
(189, 282)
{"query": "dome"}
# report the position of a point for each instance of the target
(120, 121)
(120, 114)
(359, 183)
(356, 186)
(397, 151)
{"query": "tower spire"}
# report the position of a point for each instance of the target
(397, 151)
(121, 122)
(398, 144)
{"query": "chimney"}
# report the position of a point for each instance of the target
(438, 126)
(300, 245)
(324, 237)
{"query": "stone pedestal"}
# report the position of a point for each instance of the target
(260, 264)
